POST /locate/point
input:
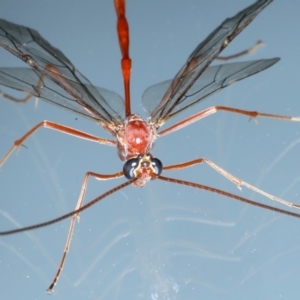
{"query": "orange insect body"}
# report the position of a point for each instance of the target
(53, 77)
(136, 137)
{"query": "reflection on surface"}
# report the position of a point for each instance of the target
(161, 248)
(172, 246)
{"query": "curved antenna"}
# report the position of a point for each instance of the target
(70, 214)
(168, 179)
(227, 194)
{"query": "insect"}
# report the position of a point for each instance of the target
(52, 77)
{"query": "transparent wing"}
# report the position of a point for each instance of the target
(212, 80)
(33, 82)
(63, 84)
(198, 61)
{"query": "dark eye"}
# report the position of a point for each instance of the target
(157, 165)
(129, 167)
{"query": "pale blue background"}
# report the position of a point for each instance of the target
(165, 239)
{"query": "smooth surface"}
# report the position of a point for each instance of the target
(163, 241)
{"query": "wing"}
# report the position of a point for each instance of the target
(63, 84)
(33, 82)
(198, 61)
(212, 80)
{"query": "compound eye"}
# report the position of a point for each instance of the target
(129, 167)
(157, 165)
